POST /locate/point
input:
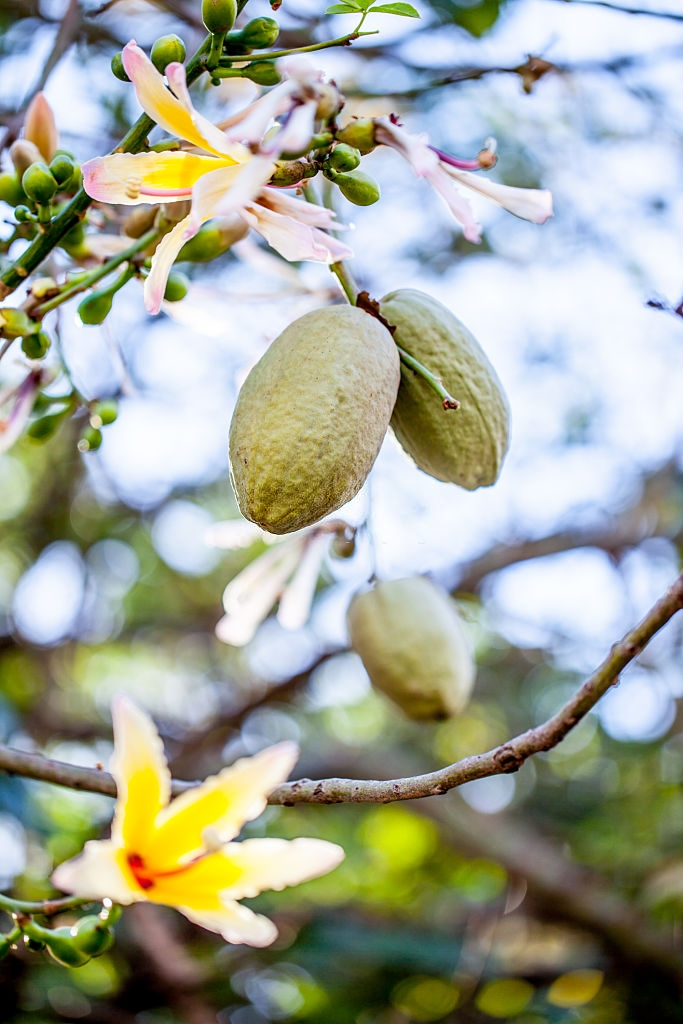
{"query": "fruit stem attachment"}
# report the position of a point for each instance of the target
(348, 285)
(434, 382)
(46, 907)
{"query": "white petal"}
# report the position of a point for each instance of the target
(235, 923)
(280, 201)
(226, 191)
(457, 204)
(292, 239)
(164, 257)
(296, 133)
(296, 601)
(531, 204)
(249, 597)
(252, 123)
(95, 874)
(277, 863)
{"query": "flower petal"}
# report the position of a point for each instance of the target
(134, 178)
(227, 190)
(280, 201)
(97, 874)
(143, 781)
(222, 804)
(174, 113)
(532, 204)
(164, 257)
(296, 601)
(457, 204)
(237, 924)
(277, 863)
(292, 239)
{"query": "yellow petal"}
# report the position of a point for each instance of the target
(133, 178)
(276, 863)
(97, 873)
(174, 113)
(196, 884)
(142, 777)
(162, 261)
(218, 808)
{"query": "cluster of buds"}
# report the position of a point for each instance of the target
(70, 945)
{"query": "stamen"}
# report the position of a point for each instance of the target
(133, 186)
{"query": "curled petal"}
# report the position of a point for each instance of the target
(97, 873)
(237, 924)
(249, 597)
(276, 863)
(227, 190)
(292, 239)
(252, 123)
(143, 781)
(134, 178)
(174, 113)
(224, 802)
(531, 204)
(296, 601)
(164, 257)
(306, 213)
(457, 204)
(295, 134)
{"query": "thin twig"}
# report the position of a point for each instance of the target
(506, 758)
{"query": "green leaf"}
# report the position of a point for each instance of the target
(405, 10)
(347, 8)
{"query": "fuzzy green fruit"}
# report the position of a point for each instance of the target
(464, 446)
(311, 416)
(413, 644)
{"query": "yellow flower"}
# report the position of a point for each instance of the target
(216, 171)
(181, 852)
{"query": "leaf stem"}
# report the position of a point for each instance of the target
(434, 382)
(350, 37)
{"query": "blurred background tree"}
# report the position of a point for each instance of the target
(549, 895)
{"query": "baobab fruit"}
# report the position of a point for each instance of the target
(311, 416)
(414, 646)
(464, 446)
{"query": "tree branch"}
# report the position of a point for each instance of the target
(508, 757)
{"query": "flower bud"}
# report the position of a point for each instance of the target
(167, 50)
(62, 168)
(359, 188)
(40, 127)
(11, 191)
(176, 286)
(263, 72)
(38, 183)
(103, 413)
(24, 153)
(259, 33)
(213, 239)
(291, 172)
(139, 221)
(62, 948)
(117, 68)
(359, 133)
(91, 440)
(343, 158)
(15, 323)
(94, 309)
(91, 935)
(43, 428)
(23, 214)
(219, 15)
(35, 345)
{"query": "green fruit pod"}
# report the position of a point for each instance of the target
(92, 936)
(311, 416)
(359, 188)
(466, 446)
(259, 33)
(414, 647)
(219, 15)
(167, 50)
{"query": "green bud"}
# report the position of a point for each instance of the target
(219, 15)
(343, 158)
(167, 50)
(39, 184)
(62, 168)
(213, 239)
(359, 188)
(95, 308)
(104, 412)
(10, 189)
(359, 133)
(46, 426)
(118, 69)
(259, 33)
(61, 946)
(263, 72)
(23, 214)
(35, 345)
(90, 441)
(234, 44)
(291, 172)
(15, 323)
(92, 936)
(176, 286)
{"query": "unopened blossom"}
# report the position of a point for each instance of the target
(223, 169)
(444, 173)
(181, 852)
(40, 127)
(285, 574)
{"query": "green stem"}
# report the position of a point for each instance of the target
(311, 48)
(46, 907)
(348, 285)
(217, 39)
(88, 280)
(434, 382)
(73, 212)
